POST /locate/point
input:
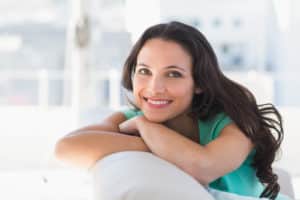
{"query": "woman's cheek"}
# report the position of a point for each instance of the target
(136, 92)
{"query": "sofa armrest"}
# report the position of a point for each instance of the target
(285, 182)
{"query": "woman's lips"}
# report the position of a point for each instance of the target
(157, 103)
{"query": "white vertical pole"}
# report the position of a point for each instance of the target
(77, 54)
(114, 89)
(43, 93)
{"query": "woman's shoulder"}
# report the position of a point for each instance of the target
(211, 128)
(217, 121)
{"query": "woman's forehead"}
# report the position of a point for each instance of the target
(164, 52)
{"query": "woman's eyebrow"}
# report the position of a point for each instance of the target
(176, 67)
(142, 64)
(168, 67)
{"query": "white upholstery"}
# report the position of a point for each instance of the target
(142, 176)
(285, 182)
(134, 175)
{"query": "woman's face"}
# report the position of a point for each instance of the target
(163, 85)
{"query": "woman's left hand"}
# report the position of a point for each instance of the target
(131, 126)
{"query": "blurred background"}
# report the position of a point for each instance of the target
(60, 64)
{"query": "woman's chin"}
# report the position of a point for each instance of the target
(156, 119)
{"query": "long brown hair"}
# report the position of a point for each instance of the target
(261, 123)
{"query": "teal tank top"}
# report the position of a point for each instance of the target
(243, 180)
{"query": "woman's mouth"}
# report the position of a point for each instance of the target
(157, 103)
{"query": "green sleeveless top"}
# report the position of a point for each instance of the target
(243, 180)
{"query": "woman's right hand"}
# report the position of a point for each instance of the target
(130, 126)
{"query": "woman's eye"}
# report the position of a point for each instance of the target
(174, 74)
(143, 71)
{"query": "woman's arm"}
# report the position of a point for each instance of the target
(204, 163)
(83, 147)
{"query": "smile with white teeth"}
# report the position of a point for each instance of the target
(157, 102)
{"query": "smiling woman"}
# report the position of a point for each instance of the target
(188, 113)
(163, 85)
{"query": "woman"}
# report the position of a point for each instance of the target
(189, 114)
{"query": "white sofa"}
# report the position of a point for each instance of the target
(285, 182)
(133, 175)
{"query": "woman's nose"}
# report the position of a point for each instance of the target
(156, 85)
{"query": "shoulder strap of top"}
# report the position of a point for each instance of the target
(211, 129)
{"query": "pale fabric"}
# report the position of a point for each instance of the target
(133, 175)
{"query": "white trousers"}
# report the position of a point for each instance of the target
(133, 175)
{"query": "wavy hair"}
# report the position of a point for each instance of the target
(262, 124)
